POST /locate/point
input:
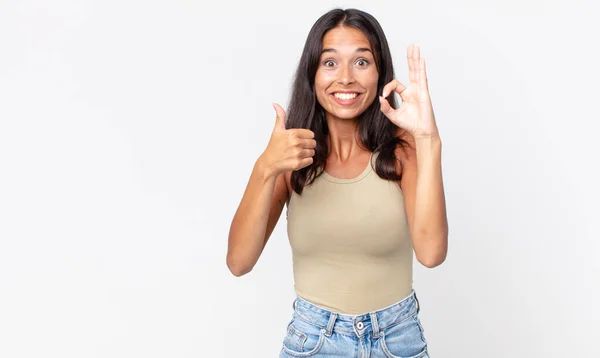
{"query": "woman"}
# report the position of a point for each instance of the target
(363, 185)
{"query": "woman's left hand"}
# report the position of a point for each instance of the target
(415, 114)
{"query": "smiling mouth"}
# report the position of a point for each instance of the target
(345, 96)
(346, 99)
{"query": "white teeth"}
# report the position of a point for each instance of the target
(345, 96)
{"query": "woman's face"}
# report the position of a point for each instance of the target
(346, 79)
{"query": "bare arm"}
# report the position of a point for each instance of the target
(266, 193)
(423, 191)
(255, 218)
(421, 181)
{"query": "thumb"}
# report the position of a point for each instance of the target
(280, 119)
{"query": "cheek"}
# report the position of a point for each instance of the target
(372, 80)
(322, 82)
(371, 85)
(321, 98)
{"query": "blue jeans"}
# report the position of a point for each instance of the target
(391, 332)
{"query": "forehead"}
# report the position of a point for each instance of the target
(349, 38)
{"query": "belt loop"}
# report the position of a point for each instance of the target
(330, 324)
(374, 324)
(294, 304)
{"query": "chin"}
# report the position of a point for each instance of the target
(347, 114)
(347, 117)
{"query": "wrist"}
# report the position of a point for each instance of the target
(428, 145)
(263, 169)
(428, 139)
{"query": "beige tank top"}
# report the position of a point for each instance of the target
(350, 242)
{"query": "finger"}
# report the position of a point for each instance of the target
(423, 74)
(308, 143)
(409, 59)
(280, 117)
(395, 86)
(385, 107)
(303, 133)
(305, 162)
(299, 164)
(305, 153)
(416, 61)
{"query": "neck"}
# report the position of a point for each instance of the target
(343, 139)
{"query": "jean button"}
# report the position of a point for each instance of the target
(360, 325)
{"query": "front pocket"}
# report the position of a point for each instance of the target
(303, 339)
(404, 340)
(294, 339)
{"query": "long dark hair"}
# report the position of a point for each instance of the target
(304, 111)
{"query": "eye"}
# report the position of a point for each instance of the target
(362, 62)
(329, 63)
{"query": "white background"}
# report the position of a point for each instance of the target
(128, 131)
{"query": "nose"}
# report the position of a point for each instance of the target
(346, 81)
(346, 76)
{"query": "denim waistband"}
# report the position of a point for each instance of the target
(361, 324)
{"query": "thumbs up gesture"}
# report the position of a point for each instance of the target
(288, 149)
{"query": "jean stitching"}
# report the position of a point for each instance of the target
(309, 321)
(388, 353)
(310, 353)
(398, 321)
(421, 329)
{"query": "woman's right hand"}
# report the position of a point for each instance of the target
(288, 149)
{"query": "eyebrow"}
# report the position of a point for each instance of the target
(360, 49)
